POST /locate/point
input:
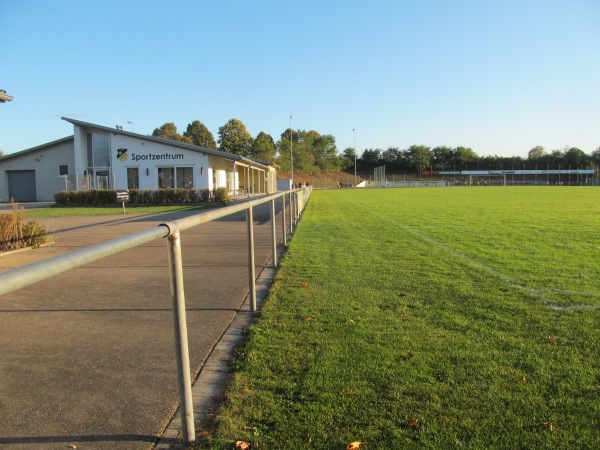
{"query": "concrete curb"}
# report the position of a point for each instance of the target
(24, 249)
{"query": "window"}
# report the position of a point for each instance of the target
(133, 178)
(98, 150)
(166, 177)
(185, 177)
(63, 170)
(171, 177)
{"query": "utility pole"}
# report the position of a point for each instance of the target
(291, 153)
(355, 151)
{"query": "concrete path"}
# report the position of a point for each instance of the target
(88, 356)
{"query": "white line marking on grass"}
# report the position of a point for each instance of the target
(536, 293)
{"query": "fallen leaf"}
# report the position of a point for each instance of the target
(353, 445)
(524, 380)
(404, 315)
(549, 425)
(414, 422)
(350, 320)
(304, 284)
(308, 319)
(203, 434)
(241, 445)
(553, 340)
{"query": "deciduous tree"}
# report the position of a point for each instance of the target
(169, 131)
(441, 157)
(200, 135)
(234, 138)
(595, 156)
(418, 157)
(263, 147)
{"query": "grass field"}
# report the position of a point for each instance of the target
(428, 318)
(70, 211)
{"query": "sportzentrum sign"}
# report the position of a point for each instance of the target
(123, 155)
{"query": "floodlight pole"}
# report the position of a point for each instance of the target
(354, 131)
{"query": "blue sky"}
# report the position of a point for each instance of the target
(497, 76)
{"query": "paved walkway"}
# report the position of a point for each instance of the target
(88, 356)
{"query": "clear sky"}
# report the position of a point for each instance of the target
(498, 76)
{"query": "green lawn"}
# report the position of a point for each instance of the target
(58, 211)
(428, 318)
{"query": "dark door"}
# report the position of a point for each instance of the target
(21, 185)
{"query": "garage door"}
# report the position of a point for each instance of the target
(21, 185)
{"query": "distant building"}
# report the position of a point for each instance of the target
(98, 157)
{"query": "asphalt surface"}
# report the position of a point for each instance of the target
(88, 357)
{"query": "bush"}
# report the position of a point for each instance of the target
(204, 195)
(221, 195)
(15, 233)
(145, 197)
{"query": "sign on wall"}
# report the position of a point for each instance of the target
(123, 155)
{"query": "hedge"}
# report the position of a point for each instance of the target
(142, 197)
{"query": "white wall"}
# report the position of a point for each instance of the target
(284, 185)
(139, 153)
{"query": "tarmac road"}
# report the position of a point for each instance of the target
(88, 356)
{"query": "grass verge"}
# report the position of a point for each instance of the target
(58, 211)
(436, 318)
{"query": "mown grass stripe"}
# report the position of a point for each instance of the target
(536, 293)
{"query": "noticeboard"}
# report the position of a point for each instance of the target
(122, 196)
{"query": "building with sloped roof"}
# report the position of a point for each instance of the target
(99, 157)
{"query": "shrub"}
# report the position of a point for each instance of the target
(15, 233)
(147, 196)
(221, 195)
(61, 197)
(204, 195)
(181, 195)
(134, 195)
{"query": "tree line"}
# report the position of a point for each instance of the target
(418, 158)
(312, 151)
(315, 153)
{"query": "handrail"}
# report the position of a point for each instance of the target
(24, 276)
(20, 277)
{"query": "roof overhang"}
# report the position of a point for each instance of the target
(36, 148)
(171, 143)
(4, 97)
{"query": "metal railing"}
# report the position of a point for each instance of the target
(24, 276)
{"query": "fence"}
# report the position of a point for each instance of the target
(21, 277)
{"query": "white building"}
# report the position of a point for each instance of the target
(98, 157)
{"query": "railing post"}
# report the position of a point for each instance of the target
(291, 213)
(251, 268)
(274, 233)
(186, 405)
(283, 221)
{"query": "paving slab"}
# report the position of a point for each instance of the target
(88, 356)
